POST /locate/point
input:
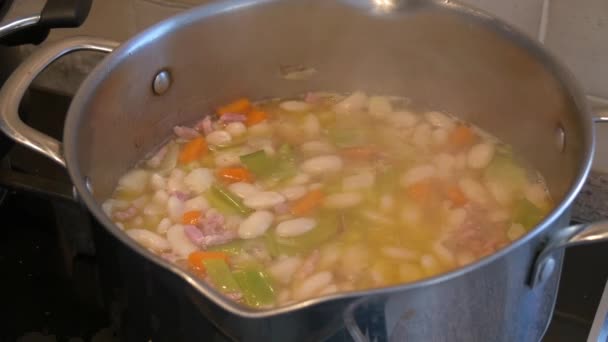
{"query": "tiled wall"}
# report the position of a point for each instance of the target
(575, 31)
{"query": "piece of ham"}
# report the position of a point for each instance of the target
(158, 157)
(127, 214)
(232, 117)
(187, 133)
(182, 196)
(308, 266)
(205, 125)
(194, 234)
(214, 230)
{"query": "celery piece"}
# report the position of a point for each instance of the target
(259, 163)
(527, 214)
(503, 169)
(220, 275)
(256, 287)
(225, 201)
(231, 248)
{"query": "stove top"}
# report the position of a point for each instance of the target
(50, 286)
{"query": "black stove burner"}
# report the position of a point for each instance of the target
(49, 280)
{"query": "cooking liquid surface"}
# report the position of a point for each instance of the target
(283, 200)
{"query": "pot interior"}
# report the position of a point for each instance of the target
(441, 56)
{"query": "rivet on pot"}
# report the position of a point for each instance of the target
(560, 137)
(88, 185)
(162, 82)
(546, 269)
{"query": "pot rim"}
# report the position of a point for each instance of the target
(97, 76)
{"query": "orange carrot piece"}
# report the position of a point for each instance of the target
(307, 204)
(195, 259)
(255, 117)
(240, 106)
(235, 174)
(461, 136)
(420, 191)
(191, 217)
(193, 150)
(359, 152)
(456, 196)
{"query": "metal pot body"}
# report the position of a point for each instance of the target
(441, 55)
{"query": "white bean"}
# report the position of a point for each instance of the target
(299, 179)
(315, 186)
(283, 269)
(243, 189)
(480, 155)
(163, 226)
(311, 126)
(154, 209)
(226, 159)
(236, 129)
(460, 161)
(456, 217)
(515, 231)
(416, 174)
(403, 119)
(429, 264)
(149, 239)
(312, 285)
(410, 214)
(353, 103)
(472, 190)
(261, 129)
(362, 180)
(399, 253)
(536, 194)
(422, 135)
(315, 147)
(443, 254)
(294, 192)
(501, 193)
(263, 200)
(219, 137)
(175, 209)
(438, 119)
(199, 180)
(387, 203)
(295, 106)
(342, 200)
(295, 227)
(255, 224)
(134, 181)
(196, 203)
(376, 217)
(179, 241)
(379, 106)
(160, 197)
(158, 182)
(439, 136)
(176, 181)
(322, 165)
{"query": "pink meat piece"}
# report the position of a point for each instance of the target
(205, 125)
(194, 234)
(172, 257)
(309, 265)
(235, 296)
(281, 209)
(182, 196)
(214, 230)
(127, 214)
(186, 132)
(232, 117)
(158, 157)
(218, 239)
(312, 98)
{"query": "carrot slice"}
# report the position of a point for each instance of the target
(420, 191)
(461, 136)
(195, 259)
(240, 106)
(456, 196)
(193, 150)
(359, 152)
(191, 217)
(255, 117)
(307, 204)
(235, 174)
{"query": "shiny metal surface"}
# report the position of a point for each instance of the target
(599, 328)
(16, 85)
(21, 14)
(162, 82)
(440, 54)
(571, 236)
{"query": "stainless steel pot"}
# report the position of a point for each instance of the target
(444, 55)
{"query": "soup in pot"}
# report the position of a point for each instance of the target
(283, 200)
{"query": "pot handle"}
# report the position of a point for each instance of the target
(16, 85)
